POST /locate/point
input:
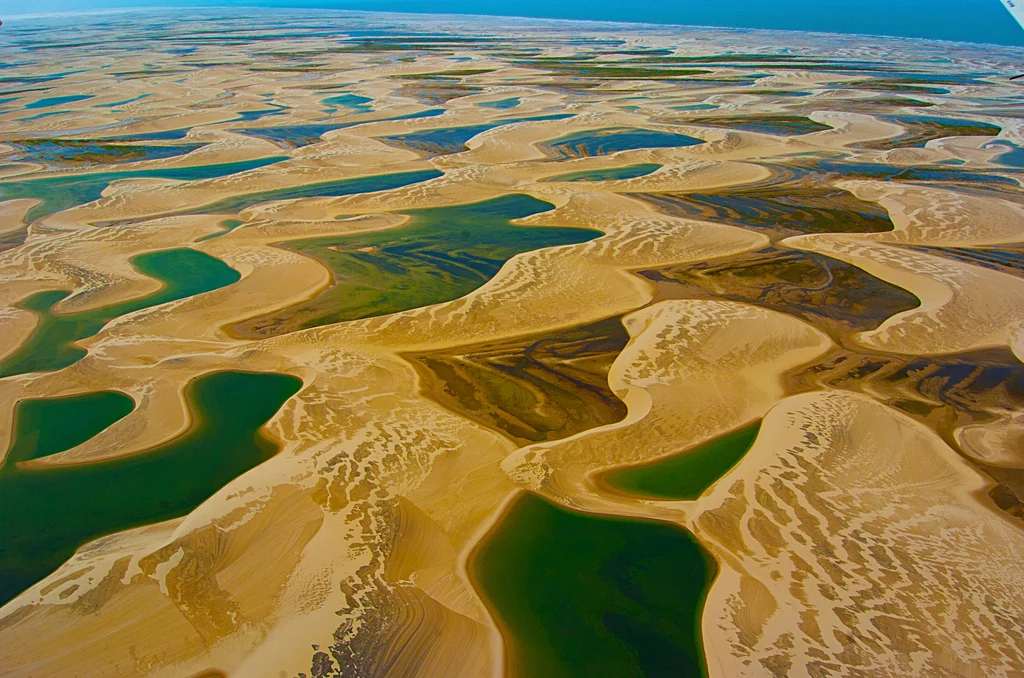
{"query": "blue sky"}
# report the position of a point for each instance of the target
(969, 20)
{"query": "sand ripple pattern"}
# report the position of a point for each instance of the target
(855, 548)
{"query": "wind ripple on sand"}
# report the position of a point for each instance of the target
(851, 539)
(692, 371)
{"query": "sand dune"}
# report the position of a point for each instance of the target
(851, 536)
(851, 539)
(692, 371)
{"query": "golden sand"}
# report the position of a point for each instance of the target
(851, 539)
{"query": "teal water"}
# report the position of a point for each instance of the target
(250, 116)
(453, 139)
(688, 474)
(353, 102)
(501, 104)
(630, 172)
(970, 20)
(298, 136)
(166, 135)
(114, 104)
(61, 193)
(41, 115)
(442, 254)
(48, 512)
(695, 107)
(89, 153)
(183, 272)
(48, 102)
(325, 189)
(228, 225)
(1012, 157)
(613, 140)
(579, 595)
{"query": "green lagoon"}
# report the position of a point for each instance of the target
(227, 225)
(48, 512)
(442, 254)
(580, 595)
(585, 595)
(688, 474)
(183, 272)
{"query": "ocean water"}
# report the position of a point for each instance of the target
(967, 20)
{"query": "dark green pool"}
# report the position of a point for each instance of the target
(184, 273)
(61, 193)
(442, 254)
(686, 475)
(579, 595)
(47, 513)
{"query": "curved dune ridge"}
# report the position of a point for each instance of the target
(759, 270)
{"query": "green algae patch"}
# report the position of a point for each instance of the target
(686, 475)
(612, 174)
(47, 512)
(51, 346)
(442, 254)
(579, 595)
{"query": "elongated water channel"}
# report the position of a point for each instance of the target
(183, 272)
